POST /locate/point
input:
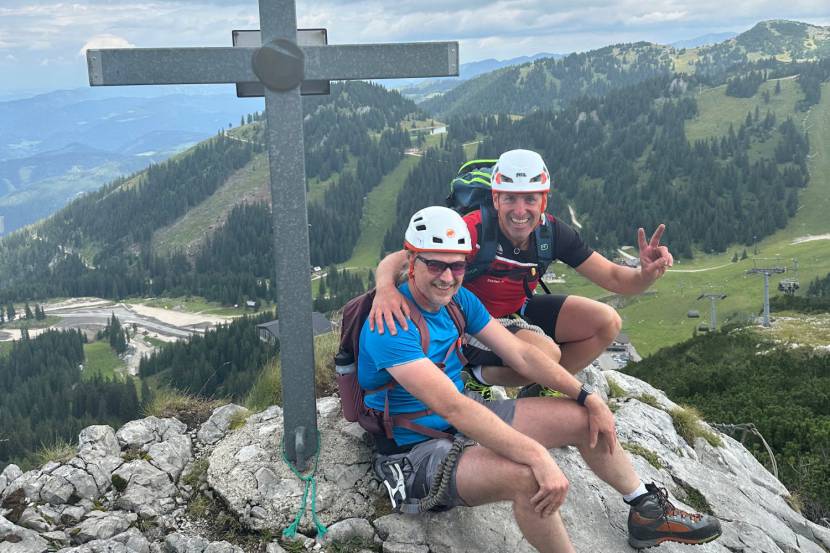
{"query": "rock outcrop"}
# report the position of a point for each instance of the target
(128, 491)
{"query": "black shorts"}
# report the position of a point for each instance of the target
(541, 310)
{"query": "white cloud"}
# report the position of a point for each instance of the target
(35, 29)
(657, 17)
(105, 41)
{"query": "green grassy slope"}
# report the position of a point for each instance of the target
(248, 184)
(718, 110)
(379, 215)
(655, 321)
(379, 211)
(100, 361)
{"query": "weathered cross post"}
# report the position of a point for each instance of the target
(281, 66)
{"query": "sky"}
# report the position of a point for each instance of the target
(42, 42)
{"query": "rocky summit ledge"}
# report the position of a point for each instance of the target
(155, 486)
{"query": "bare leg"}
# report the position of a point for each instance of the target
(510, 481)
(584, 329)
(533, 418)
(505, 376)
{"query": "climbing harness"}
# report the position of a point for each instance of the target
(394, 475)
(310, 483)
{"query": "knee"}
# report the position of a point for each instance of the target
(544, 343)
(550, 348)
(523, 484)
(612, 323)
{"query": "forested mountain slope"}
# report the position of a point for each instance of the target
(738, 377)
(625, 160)
(550, 84)
(101, 244)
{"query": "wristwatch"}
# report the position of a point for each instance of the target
(584, 392)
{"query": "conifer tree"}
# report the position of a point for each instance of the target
(28, 311)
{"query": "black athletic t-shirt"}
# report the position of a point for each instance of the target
(503, 295)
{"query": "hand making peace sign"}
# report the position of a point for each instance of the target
(654, 258)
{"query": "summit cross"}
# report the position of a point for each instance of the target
(281, 66)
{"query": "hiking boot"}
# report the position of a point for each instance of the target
(653, 520)
(537, 390)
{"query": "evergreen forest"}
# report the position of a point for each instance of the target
(737, 377)
(99, 245)
(624, 161)
(44, 399)
(224, 362)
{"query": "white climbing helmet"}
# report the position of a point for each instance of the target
(437, 229)
(520, 171)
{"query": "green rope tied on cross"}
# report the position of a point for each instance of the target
(310, 483)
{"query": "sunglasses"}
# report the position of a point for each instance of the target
(436, 267)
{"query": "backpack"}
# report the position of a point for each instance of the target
(470, 190)
(380, 423)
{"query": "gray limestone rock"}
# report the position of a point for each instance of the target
(72, 514)
(634, 387)
(274, 547)
(222, 547)
(595, 377)
(58, 538)
(213, 429)
(171, 455)
(131, 541)
(98, 441)
(149, 490)
(351, 528)
(29, 482)
(141, 434)
(247, 469)
(16, 539)
(33, 520)
(9, 475)
(101, 526)
(394, 547)
(181, 543)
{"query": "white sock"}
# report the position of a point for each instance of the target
(477, 373)
(641, 490)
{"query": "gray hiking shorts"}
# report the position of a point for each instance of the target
(425, 458)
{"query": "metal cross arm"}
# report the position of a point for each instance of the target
(137, 66)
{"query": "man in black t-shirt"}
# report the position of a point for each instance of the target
(580, 327)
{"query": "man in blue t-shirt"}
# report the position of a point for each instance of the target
(506, 456)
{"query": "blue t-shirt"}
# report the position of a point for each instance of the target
(378, 352)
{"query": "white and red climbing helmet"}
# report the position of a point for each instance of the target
(521, 171)
(437, 229)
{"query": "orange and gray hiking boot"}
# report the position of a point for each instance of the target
(653, 520)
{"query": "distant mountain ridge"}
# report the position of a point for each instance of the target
(703, 40)
(54, 146)
(551, 83)
(422, 89)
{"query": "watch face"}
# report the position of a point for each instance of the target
(588, 388)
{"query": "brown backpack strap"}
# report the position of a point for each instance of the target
(421, 323)
(404, 420)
